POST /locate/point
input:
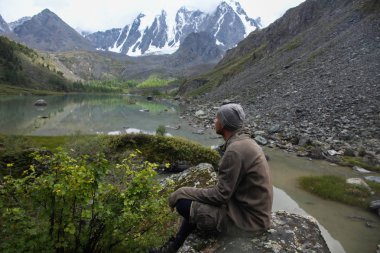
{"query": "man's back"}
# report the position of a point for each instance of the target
(250, 205)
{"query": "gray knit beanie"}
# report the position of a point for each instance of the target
(231, 116)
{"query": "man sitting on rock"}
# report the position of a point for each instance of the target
(241, 202)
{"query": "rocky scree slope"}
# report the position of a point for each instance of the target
(311, 77)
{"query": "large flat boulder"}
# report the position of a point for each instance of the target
(289, 232)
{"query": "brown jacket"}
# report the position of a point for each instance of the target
(244, 185)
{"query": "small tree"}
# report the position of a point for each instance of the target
(161, 130)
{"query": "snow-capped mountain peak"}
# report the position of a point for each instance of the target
(163, 34)
(14, 24)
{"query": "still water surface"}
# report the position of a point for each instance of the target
(111, 114)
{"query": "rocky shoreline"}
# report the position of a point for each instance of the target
(307, 138)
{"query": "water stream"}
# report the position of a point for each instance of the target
(92, 114)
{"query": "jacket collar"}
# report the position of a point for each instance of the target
(240, 134)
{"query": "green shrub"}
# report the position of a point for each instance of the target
(161, 130)
(160, 149)
(83, 205)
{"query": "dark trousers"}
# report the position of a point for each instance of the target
(183, 208)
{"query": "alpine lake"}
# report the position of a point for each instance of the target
(345, 228)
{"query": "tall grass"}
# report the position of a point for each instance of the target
(335, 188)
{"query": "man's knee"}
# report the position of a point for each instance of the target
(183, 208)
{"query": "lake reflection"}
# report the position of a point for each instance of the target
(85, 114)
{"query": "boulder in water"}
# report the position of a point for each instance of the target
(40, 102)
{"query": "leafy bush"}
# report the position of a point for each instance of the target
(160, 149)
(161, 130)
(82, 205)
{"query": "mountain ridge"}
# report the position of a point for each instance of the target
(46, 31)
(159, 34)
(146, 35)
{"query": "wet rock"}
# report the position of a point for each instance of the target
(358, 182)
(200, 114)
(226, 101)
(199, 131)
(361, 170)
(274, 129)
(333, 159)
(256, 133)
(40, 102)
(349, 151)
(375, 205)
(289, 233)
(304, 140)
(316, 153)
(261, 140)
(332, 152)
(373, 179)
(302, 153)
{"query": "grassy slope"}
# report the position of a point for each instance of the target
(23, 70)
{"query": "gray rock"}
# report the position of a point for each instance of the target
(358, 182)
(375, 205)
(40, 102)
(316, 153)
(200, 113)
(331, 152)
(256, 133)
(349, 152)
(289, 233)
(226, 101)
(261, 140)
(274, 129)
(373, 179)
(304, 140)
(361, 170)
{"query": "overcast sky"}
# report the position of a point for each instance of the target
(98, 15)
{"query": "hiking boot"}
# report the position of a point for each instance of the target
(171, 246)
